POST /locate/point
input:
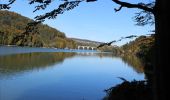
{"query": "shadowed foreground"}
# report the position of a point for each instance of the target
(135, 90)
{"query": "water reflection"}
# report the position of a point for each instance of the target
(135, 62)
(15, 63)
(63, 75)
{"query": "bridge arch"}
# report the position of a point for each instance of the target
(86, 48)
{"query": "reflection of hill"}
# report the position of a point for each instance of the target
(134, 61)
(131, 60)
(22, 62)
(16, 63)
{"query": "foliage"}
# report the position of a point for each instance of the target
(140, 46)
(144, 48)
(146, 16)
(114, 49)
(12, 32)
(135, 90)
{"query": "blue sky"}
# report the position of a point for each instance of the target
(94, 21)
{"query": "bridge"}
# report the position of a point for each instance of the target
(86, 48)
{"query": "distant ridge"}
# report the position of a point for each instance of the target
(86, 42)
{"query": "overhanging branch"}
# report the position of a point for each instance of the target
(118, 9)
(129, 5)
(7, 6)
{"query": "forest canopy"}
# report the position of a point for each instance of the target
(12, 32)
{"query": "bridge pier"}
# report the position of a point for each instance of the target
(83, 47)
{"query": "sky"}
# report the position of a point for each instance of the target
(94, 21)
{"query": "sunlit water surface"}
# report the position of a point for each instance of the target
(51, 74)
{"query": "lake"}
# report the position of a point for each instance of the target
(55, 74)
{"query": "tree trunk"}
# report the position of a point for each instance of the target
(162, 51)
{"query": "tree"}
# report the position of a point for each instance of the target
(159, 10)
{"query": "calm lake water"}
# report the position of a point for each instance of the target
(52, 74)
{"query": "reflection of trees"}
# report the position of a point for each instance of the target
(131, 60)
(11, 64)
(23, 62)
(134, 62)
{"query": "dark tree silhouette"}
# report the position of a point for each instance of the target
(154, 12)
(7, 5)
(109, 43)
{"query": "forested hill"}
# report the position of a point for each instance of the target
(12, 27)
(143, 47)
(86, 42)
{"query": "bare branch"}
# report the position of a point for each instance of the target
(118, 9)
(91, 0)
(129, 5)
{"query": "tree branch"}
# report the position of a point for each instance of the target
(118, 9)
(129, 5)
(7, 6)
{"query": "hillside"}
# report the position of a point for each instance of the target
(13, 26)
(142, 47)
(85, 42)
